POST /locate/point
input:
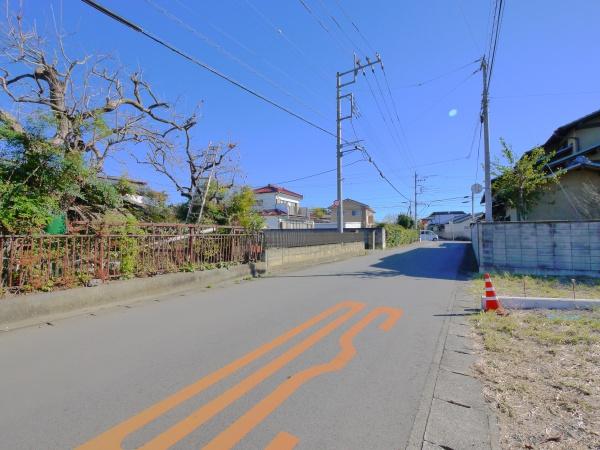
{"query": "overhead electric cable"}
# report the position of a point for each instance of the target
(445, 95)
(205, 66)
(279, 31)
(322, 25)
(437, 77)
(250, 51)
(345, 13)
(355, 47)
(169, 15)
(383, 116)
(394, 119)
(318, 173)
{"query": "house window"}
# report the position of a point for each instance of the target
(259, 202)
(355, 213)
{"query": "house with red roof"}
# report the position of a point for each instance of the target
(281, 209)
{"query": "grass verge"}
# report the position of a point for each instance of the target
(507, 284)
(541, 372)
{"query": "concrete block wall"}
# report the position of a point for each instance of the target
(541, 248)
(285, 258)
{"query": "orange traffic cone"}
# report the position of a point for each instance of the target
(492, 302)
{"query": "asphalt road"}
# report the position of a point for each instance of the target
(331, 357)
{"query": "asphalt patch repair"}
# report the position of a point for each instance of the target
(541, 373)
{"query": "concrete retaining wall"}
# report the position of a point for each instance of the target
(40, 307)
(23, 308)
(538, 248)
(286, 258)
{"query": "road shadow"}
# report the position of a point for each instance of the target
(445, 261)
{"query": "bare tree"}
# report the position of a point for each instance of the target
(92, 108)
(197, 163)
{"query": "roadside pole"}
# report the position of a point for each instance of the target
(486, 139)
(358, 67)
(416, 225)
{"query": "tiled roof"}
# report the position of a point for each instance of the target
(349, 200)
(272, 188)
(562, 131)
(272, 212)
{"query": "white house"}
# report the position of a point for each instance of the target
(458, 228)
(281, 209)
(440, 218)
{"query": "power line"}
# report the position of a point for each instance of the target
(253, 53)
(227, 53)
(383, 116)
(318, 173)
(322, 25)
(203, 65)
(339, 4)
(544, 94)
(396, 112)
(284, 36)
(478, 153)
(340, 28)
(393, 117)
(445, 95)
(370, 131)
(468, 25)
(495, 37)
(442, 75)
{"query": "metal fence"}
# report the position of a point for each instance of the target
(45, 262)
(305, 238)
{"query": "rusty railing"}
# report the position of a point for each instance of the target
(46, 262)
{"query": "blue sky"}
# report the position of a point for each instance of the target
(545, 75)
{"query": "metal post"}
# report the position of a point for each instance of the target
(486, 139)
(416, 225)
(358, 66)
(340, 210)
(472, 205)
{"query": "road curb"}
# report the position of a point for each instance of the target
(25, 310)
(453, 412)
(547, 303)
(417, 434)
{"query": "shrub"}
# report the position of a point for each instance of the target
(396, 235)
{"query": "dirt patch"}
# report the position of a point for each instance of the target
(507, 284)
(541, 372)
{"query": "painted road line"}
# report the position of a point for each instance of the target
(253, 417)
(206, 412)
(113, 438)
(283, 441)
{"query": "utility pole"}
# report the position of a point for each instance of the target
(416, 226)
(358, 66)
(486, 141)
(340, 200)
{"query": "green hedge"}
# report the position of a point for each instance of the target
(396, 235)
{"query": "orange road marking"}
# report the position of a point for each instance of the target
(246, 423)
(283, 441)
(206, 412)
(113, 438)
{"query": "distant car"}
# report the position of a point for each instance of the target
(428, 235)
